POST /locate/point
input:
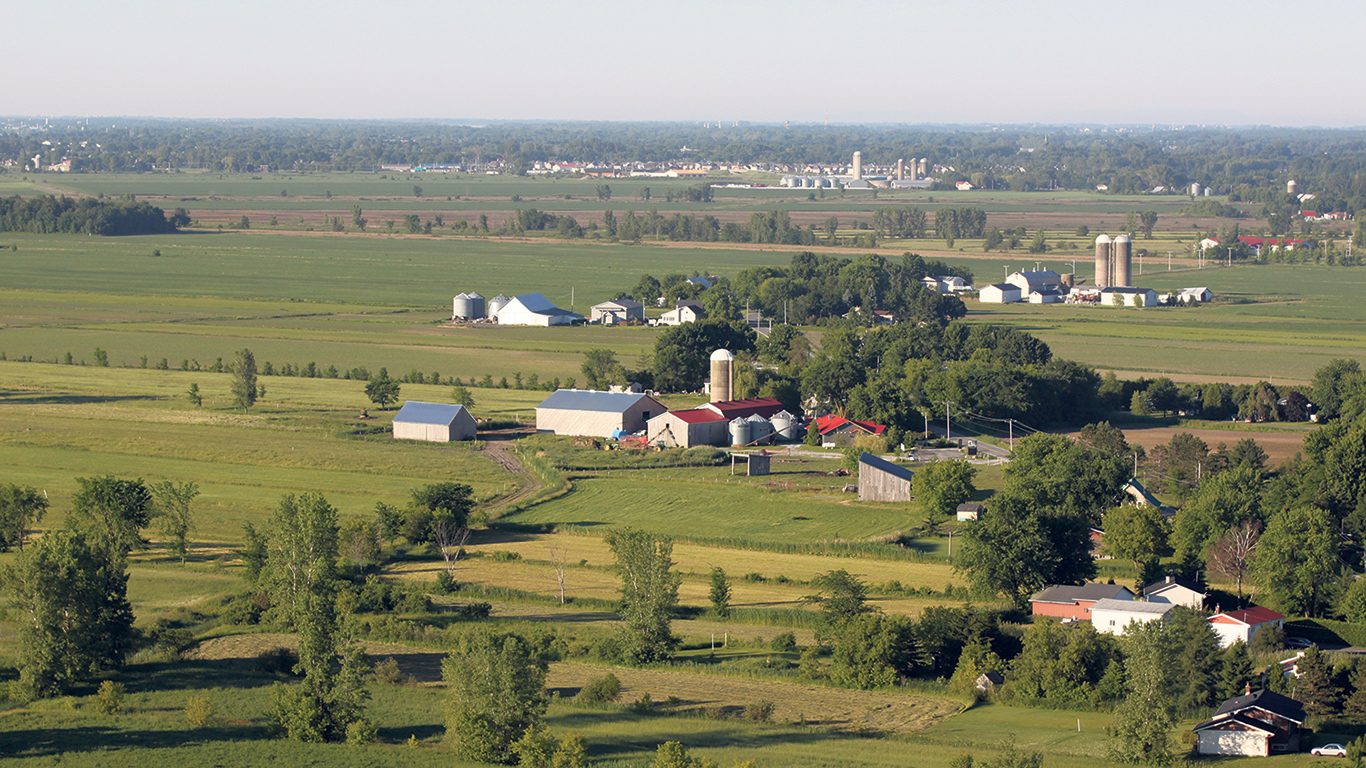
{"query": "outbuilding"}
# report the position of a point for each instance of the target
(1128, 297)
(534, 309)
(1069, 601)
(688, 429)
(999, 293)
(1114, 616)
(1243, 624)
(881, 480)
(969, 511)
(617, 311)
(435, 422)
(595, 414)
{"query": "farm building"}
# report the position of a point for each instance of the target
(1114, 616)
(617, 311)
(1243, 624)
(999, 293)
(1028, 282)
(881, 480)
(970, 511)
(988, 682)
(837, 431)
(595, 414)
(534, 309)
(1176, 590)
(708, 424)
(1067, 601)
(1254, 725)
(437, 422)
(1046, 296)
(1194, 295)
(683, 312)
(1128, 297)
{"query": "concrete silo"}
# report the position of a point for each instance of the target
(900, 169)
(1196, 189)
(1291, 187)
(1103, 261)
(722, 375)
(924, 167)
(858, 165)
(1123, 259)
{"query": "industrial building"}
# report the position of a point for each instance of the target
(534, 309)
(434, 422)
(881, 480)
(595, 414)
(715, 424)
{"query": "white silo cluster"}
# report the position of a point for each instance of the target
(468, 306)
(1114, 261)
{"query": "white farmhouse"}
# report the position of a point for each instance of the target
(1114, 616)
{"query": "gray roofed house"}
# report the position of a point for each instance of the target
(1114, 616)
(1255, 724)
(1175, 589)
(593, 413)
(436, 422)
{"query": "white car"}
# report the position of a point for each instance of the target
(1329, 750)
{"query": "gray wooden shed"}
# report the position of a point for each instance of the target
(881, 480)
(436, 422)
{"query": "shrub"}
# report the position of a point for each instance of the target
(446, 584)
(387, 672)
(784, 643)
(760, 711)
(600, 690)
(109, 700)
(276, 661)
(361, 732)
(643, 704)
(198, 711)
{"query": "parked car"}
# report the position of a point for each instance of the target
(1298, 642)
(1329, 750)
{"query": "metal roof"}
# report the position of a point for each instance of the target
(883, 465)
(695, 416)
(1132, 606)
(590, 400)
(415, 412)
(1071, 593)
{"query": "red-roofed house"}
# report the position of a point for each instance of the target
(837, 431)
(1243, 623)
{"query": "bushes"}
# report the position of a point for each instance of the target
(599, 690)
(109, 700)
(198, 711)
(785, 642)
(760, 711)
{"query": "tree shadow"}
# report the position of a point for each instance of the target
(55, 742)
(199, 673)
(25, 398)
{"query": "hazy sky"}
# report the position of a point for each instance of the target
(1053, 61)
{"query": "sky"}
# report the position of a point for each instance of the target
(1190, 62)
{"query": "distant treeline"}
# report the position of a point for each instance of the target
(46, 214)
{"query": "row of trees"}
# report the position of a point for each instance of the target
(45, 214)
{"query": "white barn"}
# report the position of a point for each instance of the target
(617, 311)
(999, 293)
(534, 309)
(435, 422)
(595, 414)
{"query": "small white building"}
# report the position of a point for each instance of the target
(684, 312)
(1046, 296)
(970, 511)
(435, 422)
(1114, 616)
(1128, 297)
(1243, 624)
(999, 293)
(1177, 591)
(534, 309)
(617, 311)
(1194, 295)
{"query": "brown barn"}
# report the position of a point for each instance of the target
(881, 480)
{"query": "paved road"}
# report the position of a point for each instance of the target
(982, 447)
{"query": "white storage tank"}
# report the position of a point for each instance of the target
(496, 303)
(784, 426)
(476, 306)
(460, 307)
(739, 432)
(760, 431)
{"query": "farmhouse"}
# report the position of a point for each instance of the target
(881, 480)
(595, 414)
(1066, 601)
(999, 293)
(683, 312)
(1243, 624)
(436, 422)
(534, 309)
(946, 284)
(1128, 297)
(837, 431)
(617, 311)
(1255, 725)
(1114, 616)
(1176, 590)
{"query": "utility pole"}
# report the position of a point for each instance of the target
(1169, 261)
(948, 428)
(1230, 255)
(1011, 422)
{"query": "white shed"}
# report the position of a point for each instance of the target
(617, 311)
(534, 309)
(436, 422)
(1114, 616)
(999, 293)
(1129, 297)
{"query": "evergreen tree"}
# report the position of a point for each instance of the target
(1354, 708)
(1236, 671)
(243, 386)
(1315, 687)
(1195, 659)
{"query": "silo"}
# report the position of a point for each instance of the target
(1103, 261)
(1208, 191)
(722, 367)
(784, 426)
(760, 431)
(739, 432)
(924, 167)
(1195, 189)
(900, 168)
(1291, 187)
(857, 171)
(496, 303)
(476, 306)
(460, 307)
(1123, 254)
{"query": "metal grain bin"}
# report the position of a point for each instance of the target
(739, 432)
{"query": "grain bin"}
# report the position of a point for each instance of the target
(760, 431)
(476, 305)
(784, 426)
(496, 303)
(460, 307)
(739, 432)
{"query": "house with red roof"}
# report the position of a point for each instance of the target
(839, 432)
(1243, 624)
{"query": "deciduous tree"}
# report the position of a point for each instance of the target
(649, 591)
(243, 385)
(174, 504)
(111, 512)
(1296, 561)
(20, 507)
(496, 685)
